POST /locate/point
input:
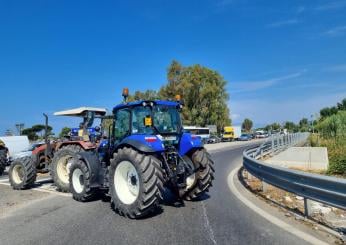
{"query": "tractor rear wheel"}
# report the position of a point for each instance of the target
(199, 183)
(80, 182)
(60, 168)
(73, 147)
(22, 173)
(3, 161)
(136, 183)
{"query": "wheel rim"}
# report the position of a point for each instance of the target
(18, 174)
(126, 182)
(190, 180)
(63, 168)
(78, 180)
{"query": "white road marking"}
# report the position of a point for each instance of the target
(287, 227)
(207, 225)
(47, 187)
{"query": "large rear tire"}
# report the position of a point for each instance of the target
(60, 168)
(22, 173)
(3, 161)
(80, 176)
(201, 181)
(73, 147)
(136, 183)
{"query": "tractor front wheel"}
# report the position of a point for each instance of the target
(22, 173)
(136, 183)
(80, 182)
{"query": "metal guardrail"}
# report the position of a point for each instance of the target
(324, 189)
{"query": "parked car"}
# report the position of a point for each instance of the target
(213, 139)
(245, 137)
(26, 152)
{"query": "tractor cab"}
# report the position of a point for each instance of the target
(152, 126)
(85, 131)
(151, 119)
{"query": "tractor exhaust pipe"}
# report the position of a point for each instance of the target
(48, 148)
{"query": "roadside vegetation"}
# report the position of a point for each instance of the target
(331, 133)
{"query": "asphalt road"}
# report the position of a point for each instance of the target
(219, 219)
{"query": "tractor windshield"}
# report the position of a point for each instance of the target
(166, 119)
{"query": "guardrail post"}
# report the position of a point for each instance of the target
(272, 145)
(261, 153)
(307, 207)
(280, 143)
(265, 186)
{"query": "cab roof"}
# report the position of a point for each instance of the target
(139, 102)
(79, 112)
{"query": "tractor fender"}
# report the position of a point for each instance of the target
(94, 164)
(188, 142)
(142, 144)
(86, 145)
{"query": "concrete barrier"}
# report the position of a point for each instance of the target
(304, 158)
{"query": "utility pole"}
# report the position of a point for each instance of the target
(312, 123)
(20, 127)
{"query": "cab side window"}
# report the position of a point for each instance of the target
(122, 124)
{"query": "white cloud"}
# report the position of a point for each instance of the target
(337, 68)
(247, 86)
(290, 109)
(331, 5)
(235, 116)
(336, 31)
(283, 23)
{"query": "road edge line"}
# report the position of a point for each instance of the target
(274, 220)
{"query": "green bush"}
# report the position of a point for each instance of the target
(337, 165)
(332, 134)
(333, 126)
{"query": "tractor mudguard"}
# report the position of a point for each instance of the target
(97, 172)
(189, 142)
(144, 143)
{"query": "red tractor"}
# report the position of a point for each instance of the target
(56, 157)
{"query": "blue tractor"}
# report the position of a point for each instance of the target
(147, 151)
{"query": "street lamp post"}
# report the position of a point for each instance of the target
(20, 127)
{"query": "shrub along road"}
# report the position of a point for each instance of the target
(219, 219)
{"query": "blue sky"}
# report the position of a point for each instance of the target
(282, 60)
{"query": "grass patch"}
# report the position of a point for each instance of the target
(336, 153)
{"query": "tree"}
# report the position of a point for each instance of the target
(273, 126)
(34, 130)
(30, 133)
(342, 105)
(64, 132)
(173, 87)
(290, 126)
(247, 125)
(304, 125)
(203, 92)
(146, 95)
